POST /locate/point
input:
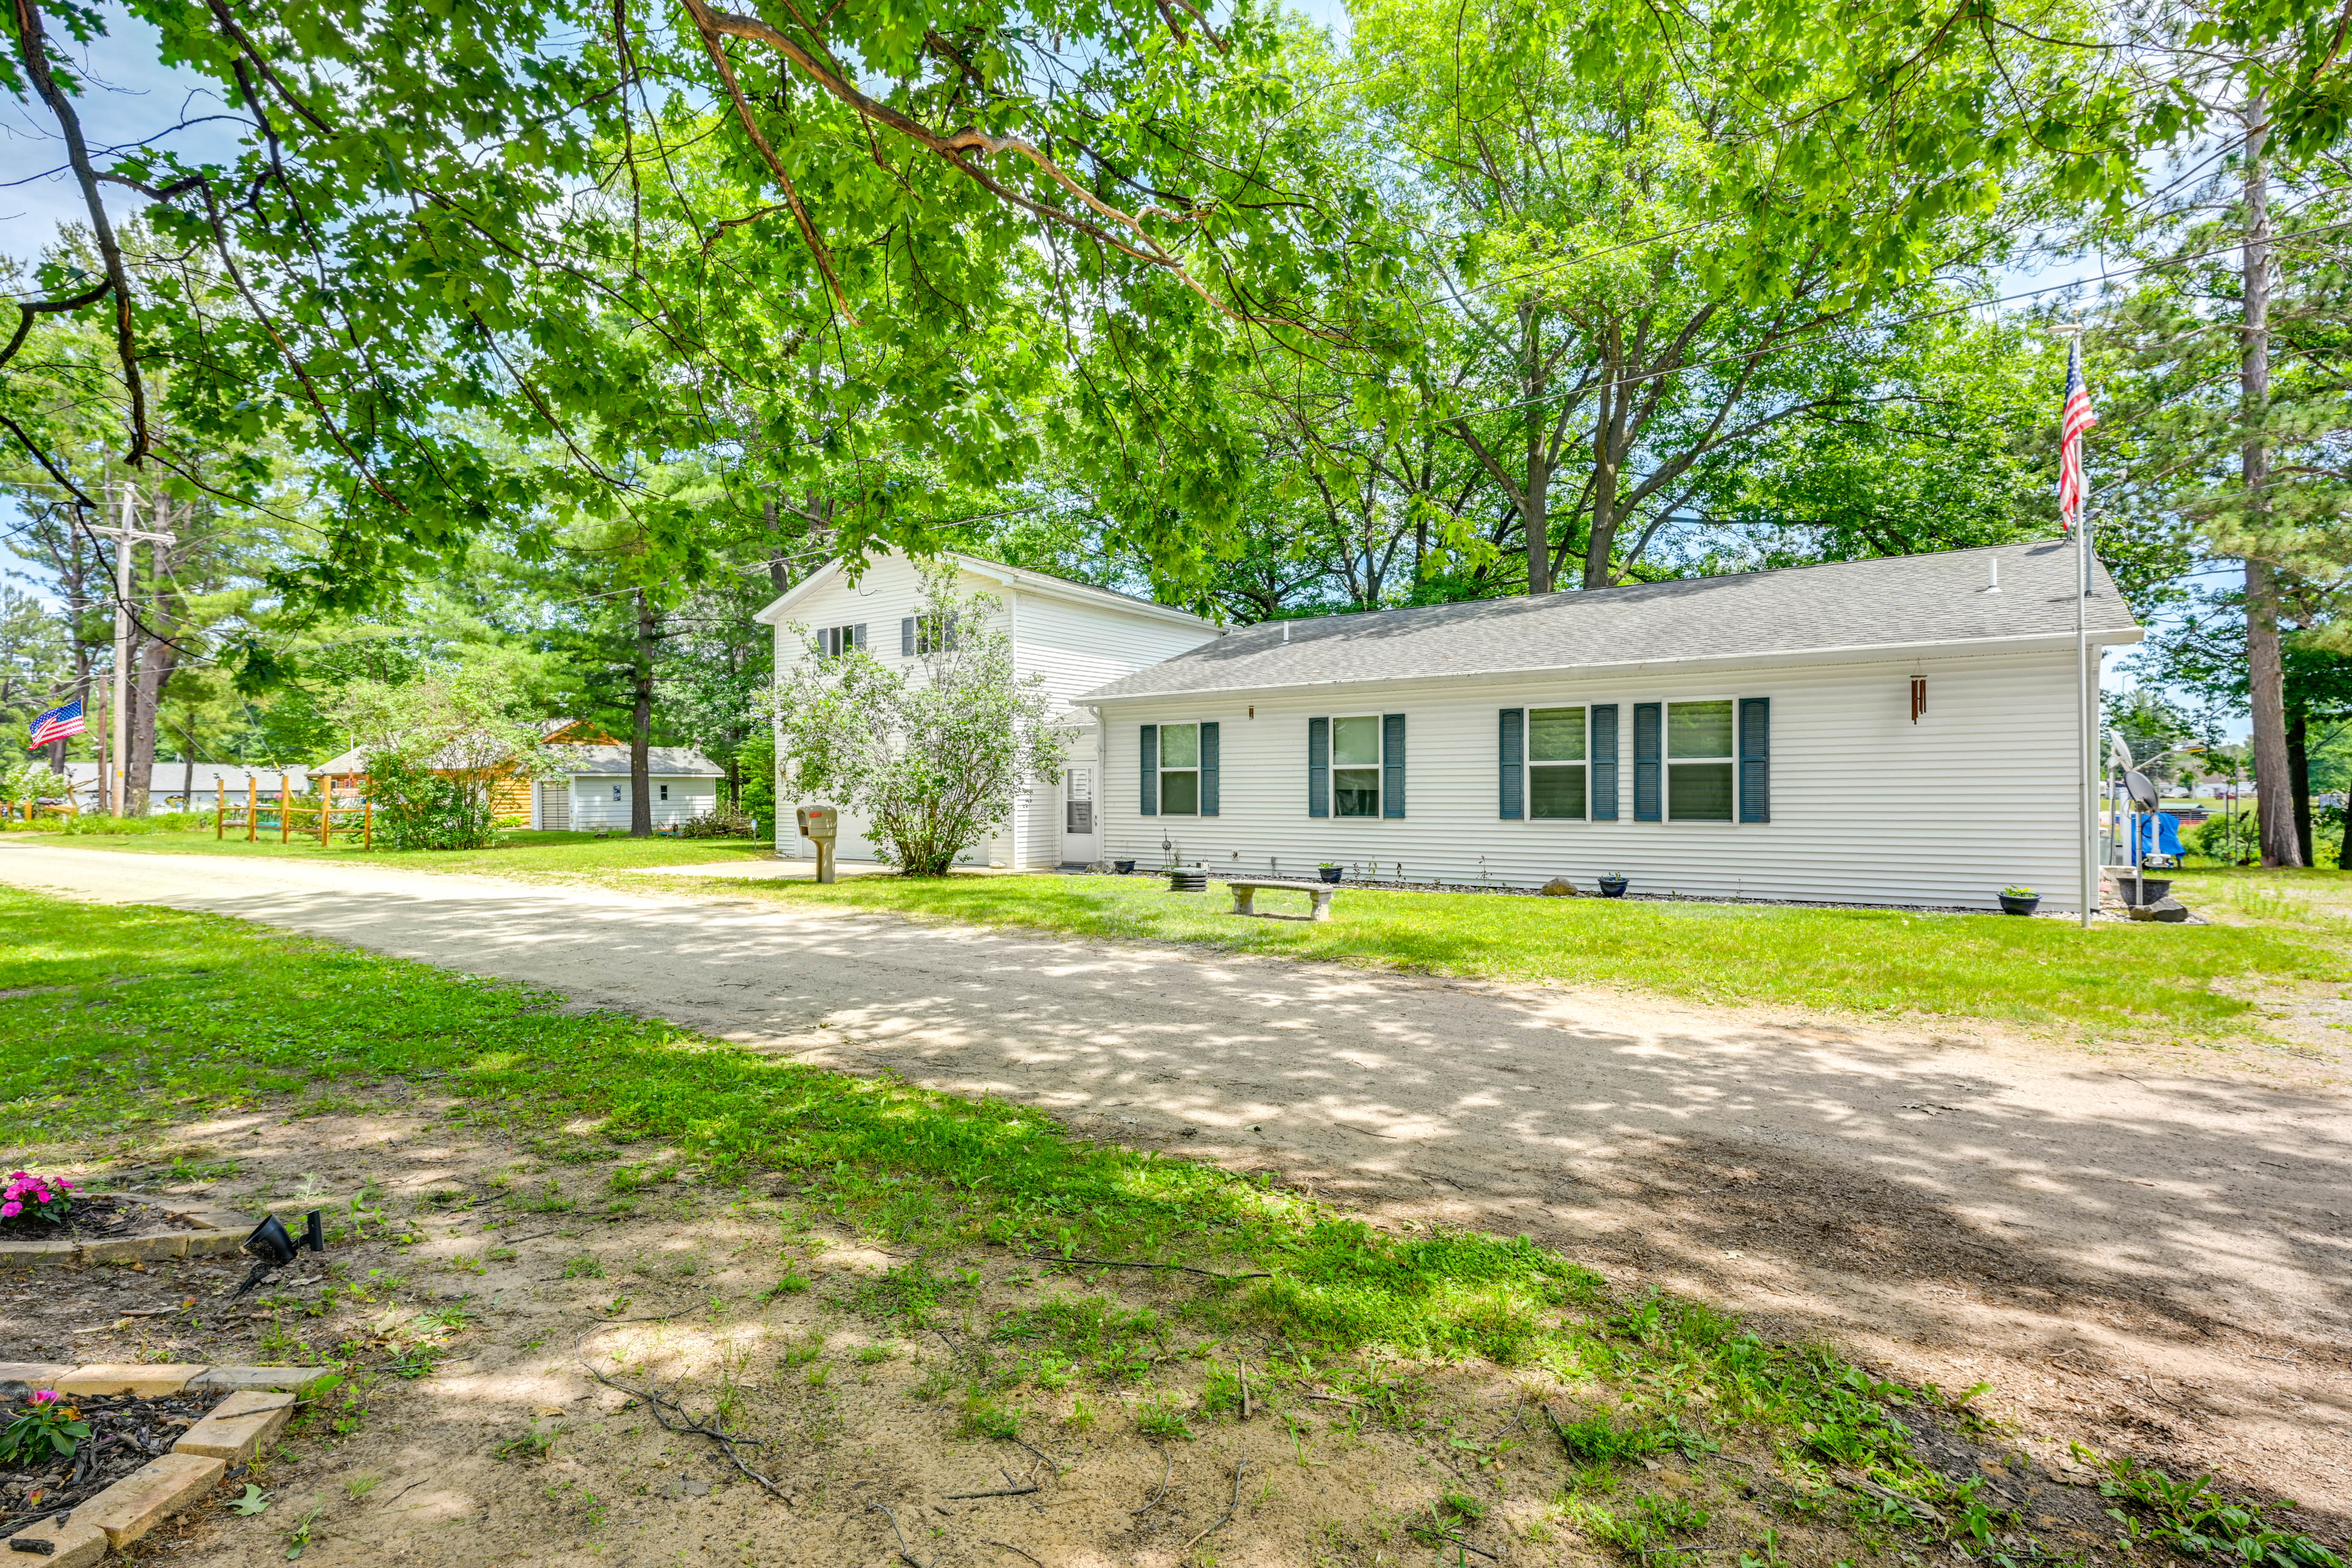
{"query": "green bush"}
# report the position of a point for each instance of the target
(116, 827)
(2226, 836)
(717, 823)
(416, 808)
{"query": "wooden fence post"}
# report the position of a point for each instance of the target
(367, 825)
(220, 809)
(252, 806)
(285, 818)
(326, 810)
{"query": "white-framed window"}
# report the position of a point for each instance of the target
(832, 642)
(1558, 765)
(1180, 770)
(665, 791)
(1356, 766)
(1701, 761)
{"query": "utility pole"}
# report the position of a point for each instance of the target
(116, 791)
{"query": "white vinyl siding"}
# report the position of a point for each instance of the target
(1847, 768)
(601, 800)
(1075, 644)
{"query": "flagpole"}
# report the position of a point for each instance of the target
(2087, 828)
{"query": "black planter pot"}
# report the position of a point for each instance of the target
(1124, 868)
(2143, 890)
(1188, 880)
(1328, 873)
(2010, 904)
(1613, 887)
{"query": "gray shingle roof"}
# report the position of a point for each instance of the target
(661, 762)
(1895, 601)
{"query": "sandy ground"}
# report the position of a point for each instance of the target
(2142, 1250)
(546, 1320)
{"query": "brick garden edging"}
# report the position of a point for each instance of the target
(260, 1400)
(216, 1231)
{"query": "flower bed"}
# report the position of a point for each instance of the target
(106, 1437)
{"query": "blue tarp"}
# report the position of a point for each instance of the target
(2159, 834)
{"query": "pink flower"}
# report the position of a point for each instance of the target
(10, 1211)
(47, 1396)
(63, 1183)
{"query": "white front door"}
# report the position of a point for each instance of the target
(1081, 834)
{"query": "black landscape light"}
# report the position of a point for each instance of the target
(270, 1242)
(314, 1232)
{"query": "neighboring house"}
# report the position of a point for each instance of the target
(1076, 636)
(1813, 733)
(170, 788)
(592, 790)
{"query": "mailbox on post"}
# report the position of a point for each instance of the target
(821, 824)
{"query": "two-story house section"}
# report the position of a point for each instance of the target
(1077, 637)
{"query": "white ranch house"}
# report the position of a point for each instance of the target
(1807, 735)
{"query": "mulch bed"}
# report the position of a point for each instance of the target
(94, 1219)
(125, 1432)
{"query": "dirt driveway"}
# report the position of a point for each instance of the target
(2142, 1252)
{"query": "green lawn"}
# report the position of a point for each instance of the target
(118, 1022)
(522, 852)
(2113, 979)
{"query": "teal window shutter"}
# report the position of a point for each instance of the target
(1392, 764)
(1648, 756)
(1318, 767)
(1755, 759)
(1514, 764)
(1151, 770)
(1209, 769)
(1604, 766)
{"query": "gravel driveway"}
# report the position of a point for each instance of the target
(2138, 1256)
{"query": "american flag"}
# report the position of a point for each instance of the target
(58, 723)
(2073, 421)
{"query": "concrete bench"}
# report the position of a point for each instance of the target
(1245, 895)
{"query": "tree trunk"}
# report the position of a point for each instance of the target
(641, 727)
(1536, 508)
(2298, 763)
(2265, 677)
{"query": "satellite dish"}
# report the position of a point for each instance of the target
(2142, 793)
(2118, 754)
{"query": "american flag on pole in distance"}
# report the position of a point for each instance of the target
(2075, 418)
(57, 724)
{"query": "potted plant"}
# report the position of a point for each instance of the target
(1612, 885)
(2017, 901)
(1124, 868)
(1329, 870)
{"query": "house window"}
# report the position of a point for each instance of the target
(1557, 763)
(832, 642)
(665, 791)
(921, 635)
(617, 792)
(1356, 766)
(1180, 770)
(1699, 762)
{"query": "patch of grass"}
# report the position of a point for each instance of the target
(2113, 979)
(584, 1266)
(158, 1016)
(1159, 1416)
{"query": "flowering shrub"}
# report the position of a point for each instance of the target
(29, 1196)
(50, 1427)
